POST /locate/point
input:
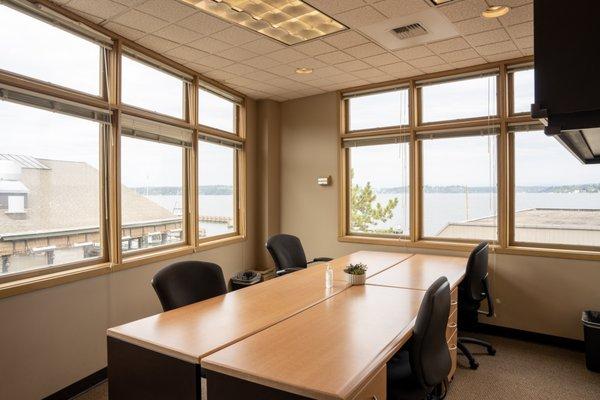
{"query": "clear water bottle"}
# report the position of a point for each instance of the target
(328, 276)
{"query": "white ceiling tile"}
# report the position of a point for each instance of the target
(210, 45)
(326, 72)
(335, 6)
(140, 21)
(368, 73)
(219, 75)
(381, 59)
(169, 10)
(399, 8)
(315, 47)
(360, 17)
(261, 76)
(511, 3)
(413, 52)
(469, 63)
(380, 78)
(309, 63)
(125, 31)
(195, 66)
(283, 69)
(345, 39)
(445, 46)
(239, 69)
(518, 15)
(496, 48)
(264, 46)
(237, 54)
(187, 53)
(100, 9)
(503, 56)
(437, 68)
(353, 66)
(214, 61)
(158, 44)
(527, 52)
(465, 9)
(335, 58)
(524, 42)
(495, 36)
(399, 69)
(261, 62)
(365, 50)
(426, 62)
(203, 23)
(287, 55)
(130, 3)
(521, 30)
(460, 55)
(236, 36)
(476, 25)
(177, 34)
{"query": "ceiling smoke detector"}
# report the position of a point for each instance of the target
(410, 31)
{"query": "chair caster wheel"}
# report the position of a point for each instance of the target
(491, 351)
(474, 365)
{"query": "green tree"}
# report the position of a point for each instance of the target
(364, 208)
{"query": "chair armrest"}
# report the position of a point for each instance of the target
(286, 271)
(321, 259)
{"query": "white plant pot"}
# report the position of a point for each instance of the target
(356, 279)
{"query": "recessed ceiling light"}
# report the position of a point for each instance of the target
(289, 21)
(304, 70)
(495, 11)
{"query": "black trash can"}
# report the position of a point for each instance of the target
(591, 334)
(245, 279)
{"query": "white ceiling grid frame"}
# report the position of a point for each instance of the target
(242, 59)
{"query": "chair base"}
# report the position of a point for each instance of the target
(473, 364)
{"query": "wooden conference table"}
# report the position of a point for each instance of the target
(286, 338)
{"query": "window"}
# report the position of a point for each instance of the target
(379, 189)
(50, 198)
(152, 89)
(460, 187)
(41, 51)
(216, 111)
(217, 191)
(378, 110)
(152, 195)
(523, 90)
(557, 198)
(459, 99)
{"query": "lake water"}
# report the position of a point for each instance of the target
(439, 208)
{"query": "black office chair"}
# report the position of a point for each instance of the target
(420, 370)
(188, 282)
(471, 292)
(288, 254)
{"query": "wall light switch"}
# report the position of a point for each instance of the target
(324, 180)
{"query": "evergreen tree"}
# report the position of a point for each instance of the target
(365, 210)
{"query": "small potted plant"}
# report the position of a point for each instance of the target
(356, 273)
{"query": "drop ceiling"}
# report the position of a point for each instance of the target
(264, 68)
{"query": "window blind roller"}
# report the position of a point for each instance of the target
(368, 92)
(155, 131)
(460, 77)
(220, 141)
(526, 127)
(374, 141)
(54, 104)
(446, 134)
(52, 17)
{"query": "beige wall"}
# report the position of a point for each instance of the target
(536, 294)
(54, 337)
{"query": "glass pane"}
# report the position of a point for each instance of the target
(557, 198)
(378, 110)
(216, 189)
(524, 88)
(49, 189)
(42, 51)
(150, 88)
(460, 198)
(467, 98)
(216, 112)
(379, 190)
(152, 203)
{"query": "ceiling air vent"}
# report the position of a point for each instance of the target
(410, 31)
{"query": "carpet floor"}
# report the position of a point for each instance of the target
(520, 370)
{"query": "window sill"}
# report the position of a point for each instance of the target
(224, 240)
(149, 258)
(31, 284)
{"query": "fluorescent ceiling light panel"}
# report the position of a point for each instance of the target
(289, 21)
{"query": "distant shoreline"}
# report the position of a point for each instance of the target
(585, 188)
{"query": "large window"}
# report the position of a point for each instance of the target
(378, 110)
(216, 111)
(460, 188)
(379, 189)
(49, 189)
(152, 195)
(39, 50)
(557, 198)
(523, 91)
(459, 99)
(217, 189)
(152, 89)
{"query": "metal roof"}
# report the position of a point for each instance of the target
(23, 161)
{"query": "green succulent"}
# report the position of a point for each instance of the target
(355, 269)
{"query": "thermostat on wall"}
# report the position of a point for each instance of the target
(324, 180)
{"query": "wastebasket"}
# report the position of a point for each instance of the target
(591, 334)
(244, 279)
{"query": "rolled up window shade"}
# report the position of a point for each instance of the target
(221, 141)
(374, 141)
(54, 104)
(155, 131)
(455, 133)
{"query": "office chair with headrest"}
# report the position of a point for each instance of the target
(188, 282)
(420, 371)
(288, 254)
(471, 292)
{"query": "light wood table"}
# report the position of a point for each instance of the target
(159, 355)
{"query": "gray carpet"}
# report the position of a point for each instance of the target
(520, 370)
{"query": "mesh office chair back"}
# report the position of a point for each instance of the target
(188, 282)
(429, 355)
(287, 251)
